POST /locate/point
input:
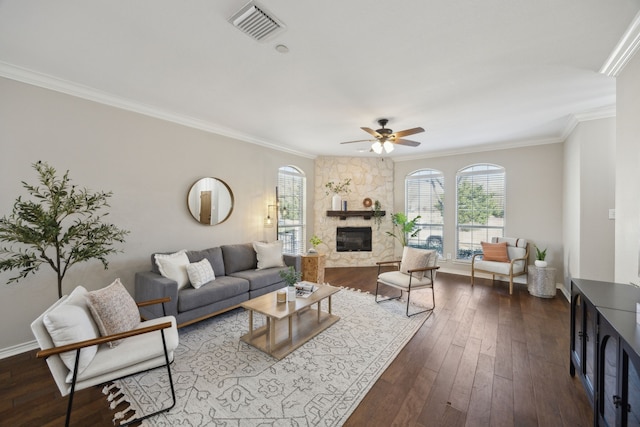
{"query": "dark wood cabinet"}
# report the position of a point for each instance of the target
(605, 349)
(583, 341)
(618, 402)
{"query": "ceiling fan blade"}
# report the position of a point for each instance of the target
(372, 132)
(407, 142)
(358, 140)
(407, 132)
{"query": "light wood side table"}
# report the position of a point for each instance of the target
(313, 268)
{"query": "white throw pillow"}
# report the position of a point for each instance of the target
(413, 258)
(174, 267)
(70, 323)
(113, 310)
(269, 254)
(200, 273)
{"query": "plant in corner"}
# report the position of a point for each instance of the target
(290, 276)
(60, 226)
(403, 228)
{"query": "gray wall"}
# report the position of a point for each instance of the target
(533, 196)
(628, 173)
(149, 164)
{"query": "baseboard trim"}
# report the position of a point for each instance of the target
(18, 349)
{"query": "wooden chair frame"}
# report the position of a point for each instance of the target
(408, 290)
(511, 274)
(102, 340)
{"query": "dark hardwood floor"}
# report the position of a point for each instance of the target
(482, 358)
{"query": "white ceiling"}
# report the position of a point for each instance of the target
(475, 74)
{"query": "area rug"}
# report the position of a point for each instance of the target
(221, 381)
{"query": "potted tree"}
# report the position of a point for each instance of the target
(60, 226)
(403, 228)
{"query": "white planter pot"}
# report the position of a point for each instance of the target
(336, 203)
(539, 263)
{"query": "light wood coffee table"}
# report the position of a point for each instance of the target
(303, 322)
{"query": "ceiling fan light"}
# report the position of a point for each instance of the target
(388, 147)
(377, 147)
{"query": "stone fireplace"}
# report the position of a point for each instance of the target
(371, 177)
(353, 239)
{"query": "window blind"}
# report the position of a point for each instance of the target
(291, 209)
(424, 195)
(480, 207)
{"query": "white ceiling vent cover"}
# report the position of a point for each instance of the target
(256, 22)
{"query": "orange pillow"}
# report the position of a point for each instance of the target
(495, 252)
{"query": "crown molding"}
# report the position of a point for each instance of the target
(624, 50)
(45, 81)
(480, 149)
(595, 114)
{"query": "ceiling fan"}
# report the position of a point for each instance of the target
(385, 138)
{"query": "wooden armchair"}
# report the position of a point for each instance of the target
(510, 263)
(87, 360)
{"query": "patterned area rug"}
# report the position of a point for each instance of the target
(221, 381)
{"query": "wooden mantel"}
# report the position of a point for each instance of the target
(344, 214)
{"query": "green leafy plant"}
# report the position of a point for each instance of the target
(341, 187)
(60, 227)
(403, 228)
(290, 276)
(541, 254)
(315, 241)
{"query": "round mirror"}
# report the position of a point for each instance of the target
(210, 201)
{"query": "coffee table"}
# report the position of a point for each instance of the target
(278, 338)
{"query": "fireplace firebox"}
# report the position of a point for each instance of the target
(353, 239)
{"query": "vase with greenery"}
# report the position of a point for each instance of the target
(291, 277)
(403, 229)
(341, 187)
(315, 241)
(541, 255)
(60, 225)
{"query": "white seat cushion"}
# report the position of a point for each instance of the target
(501, 268)
(131, 351)
(401, 280)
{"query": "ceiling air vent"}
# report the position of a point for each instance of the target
(256, 22)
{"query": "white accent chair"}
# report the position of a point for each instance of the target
(416, 270)
(149, 346)
(518, 253)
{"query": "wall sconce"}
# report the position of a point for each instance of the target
(270, 219)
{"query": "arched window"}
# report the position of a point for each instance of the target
(480, 201)
(291, 209)
(424, 195)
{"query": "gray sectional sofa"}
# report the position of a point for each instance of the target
(237, 279)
